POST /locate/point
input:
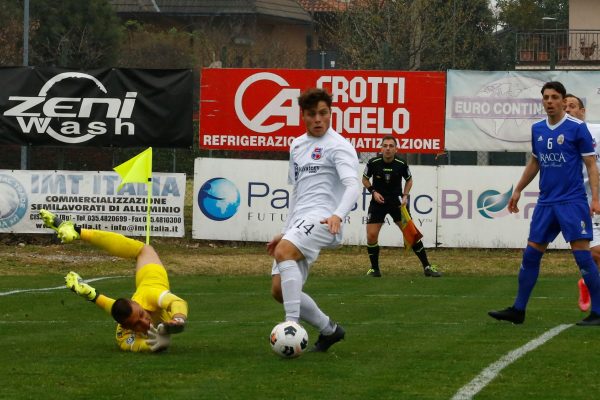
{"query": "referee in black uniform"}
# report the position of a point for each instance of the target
(387, 196)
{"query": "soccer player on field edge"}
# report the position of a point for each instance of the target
(559, 145)
(575, 108)
(147, 320)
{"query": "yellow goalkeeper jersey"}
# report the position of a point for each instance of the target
(152, 293)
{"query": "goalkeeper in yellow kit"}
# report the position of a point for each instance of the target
(147, 320)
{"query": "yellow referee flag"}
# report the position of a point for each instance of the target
(136, 169)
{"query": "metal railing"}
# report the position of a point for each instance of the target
(558, 47)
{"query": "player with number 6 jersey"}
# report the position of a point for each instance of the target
(560, 143)
(323, 170)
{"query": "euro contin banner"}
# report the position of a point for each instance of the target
(494, 110)
(255, 109)
(100, 107)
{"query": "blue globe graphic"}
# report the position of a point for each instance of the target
(219, 199)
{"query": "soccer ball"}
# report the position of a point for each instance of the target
(289, 339)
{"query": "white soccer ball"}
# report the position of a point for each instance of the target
(289, 339)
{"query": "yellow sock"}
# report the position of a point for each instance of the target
(115, 243)
(105, 303)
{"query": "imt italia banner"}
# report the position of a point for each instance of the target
(101, 107)
(252, 109)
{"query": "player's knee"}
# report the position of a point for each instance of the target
(372, 238)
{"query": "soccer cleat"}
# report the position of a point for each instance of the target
(591, 320)
(50, 220)
(510, 314)
(375, 273)
(431, 270)
(65, 229)
(67, 232)
(326, 341)
(77, 285)
(584, 296)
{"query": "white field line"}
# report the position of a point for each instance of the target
(487, 375)
(56, 287)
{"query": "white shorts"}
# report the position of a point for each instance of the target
(309, 236)
(595, 231)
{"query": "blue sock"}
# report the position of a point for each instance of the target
(589, 272)
(528, 274)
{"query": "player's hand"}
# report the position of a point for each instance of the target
(157, 341)
(176, 325)
(77, 285)
(273, 243)
(334, 224)
(512, 203)
(595, 208)
(378, 198)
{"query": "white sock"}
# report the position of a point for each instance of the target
(311, 313)
(291, 289)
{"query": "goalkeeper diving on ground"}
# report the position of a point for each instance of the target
(147, 320)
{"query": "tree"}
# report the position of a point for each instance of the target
(11, 30)
(76, 34)
(516, 16)
(413, 34)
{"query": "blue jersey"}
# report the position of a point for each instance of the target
(559, 150)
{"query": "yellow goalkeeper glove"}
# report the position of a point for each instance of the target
(77, 285)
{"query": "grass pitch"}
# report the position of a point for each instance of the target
(408, 337)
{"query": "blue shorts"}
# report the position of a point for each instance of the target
(572, 219)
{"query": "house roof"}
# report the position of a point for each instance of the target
(324, 5)
(289, 9)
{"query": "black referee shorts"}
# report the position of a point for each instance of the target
(377, 212)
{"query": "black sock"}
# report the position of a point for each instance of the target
(419, 250)
(373, 250)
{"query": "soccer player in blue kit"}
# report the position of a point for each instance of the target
(559, 144)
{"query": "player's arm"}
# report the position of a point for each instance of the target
(592, 169)
(177, 308)
(346, 164)
(531, 170)
(407, 189)
(367, 184)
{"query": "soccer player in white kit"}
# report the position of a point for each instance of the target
(323, 170)
(575, 108)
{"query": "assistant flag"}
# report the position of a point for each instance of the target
(409, 230)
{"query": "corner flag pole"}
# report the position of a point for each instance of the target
(139, 169)
(148, 203)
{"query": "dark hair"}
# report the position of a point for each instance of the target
(311, 98)
(121, 310)
(559, 87)
(576, 98)
(389, 137)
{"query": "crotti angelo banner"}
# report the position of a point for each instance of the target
(100, 107)
(251, 109)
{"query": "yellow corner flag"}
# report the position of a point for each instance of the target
(139, 169)
(136, 169)
(409, 229)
